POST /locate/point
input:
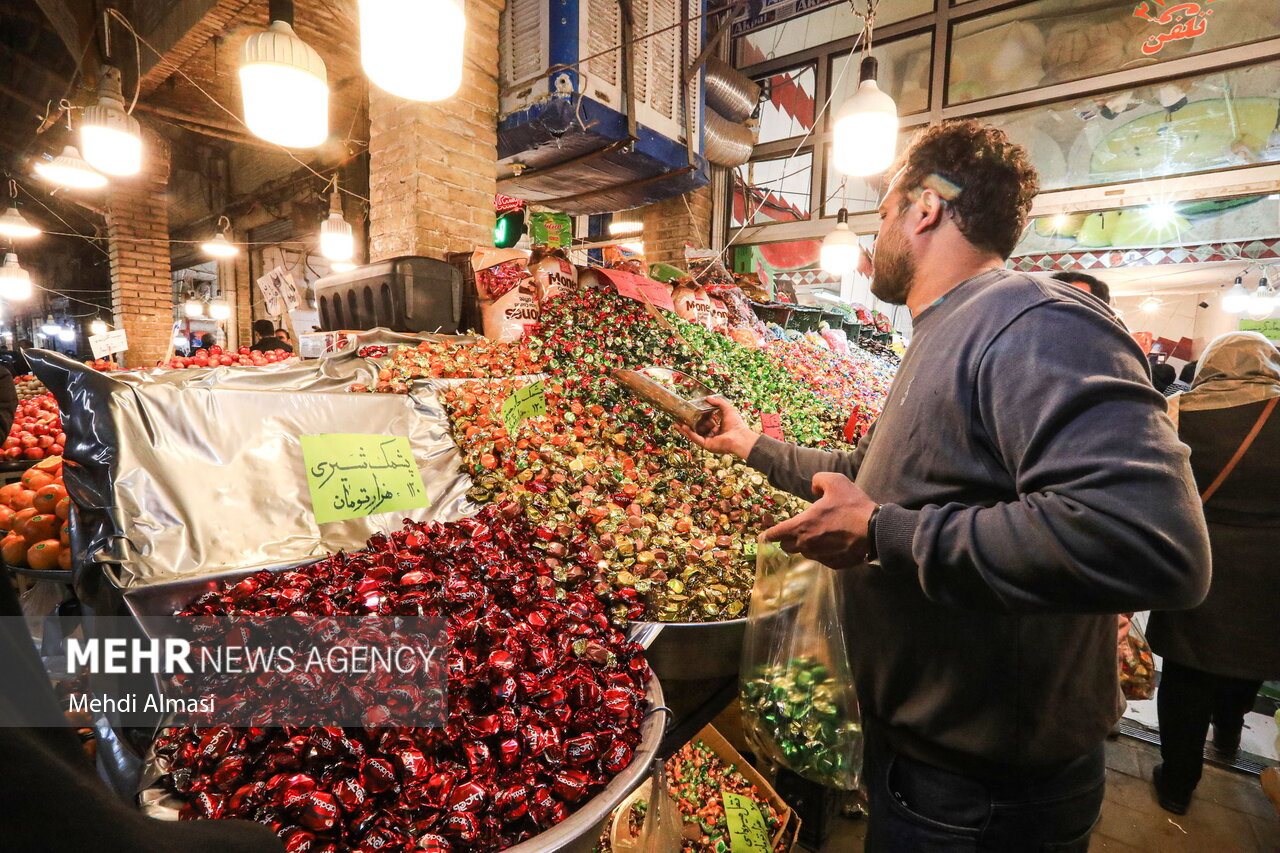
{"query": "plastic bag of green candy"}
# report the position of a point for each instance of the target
(799, 707)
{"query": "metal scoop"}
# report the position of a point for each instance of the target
(678, 394)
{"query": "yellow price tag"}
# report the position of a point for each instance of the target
(747, 832)
(523, 403)
(354, 475)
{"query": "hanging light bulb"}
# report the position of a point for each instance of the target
(220, 246)
(284, 86)
(413, 48)
(111, 138)
(97, 327)
(337, 241)
(840, 249)
(14, 224)
(70, 170)
(341, 266)
(67, 334)
(50, 328)
(1263, 301)
(193, 307)
(866, 129)
(1236, 300)
(220, 309)
(1150, 305)
(15, 282)
(625, 225)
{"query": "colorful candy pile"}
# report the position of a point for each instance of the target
(852, 385)
(545, 702)
(453, 360)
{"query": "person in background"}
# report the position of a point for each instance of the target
(8, 405)
(265, 339)
(1217, 655)
(990, 537)
(1183, 383)
(1162, 376)
(1085, 282)
(207, 341)
(283, 334)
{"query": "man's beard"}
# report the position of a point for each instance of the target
(893, 269)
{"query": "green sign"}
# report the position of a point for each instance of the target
(354, 475)
(551, 229)
(747, 832)
(1270, 327)
(521, 404)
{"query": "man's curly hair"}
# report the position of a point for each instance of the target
(987, 180)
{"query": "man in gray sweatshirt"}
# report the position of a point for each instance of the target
(1022, 486)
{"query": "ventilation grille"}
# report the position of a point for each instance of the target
(604, 31)
(522, 41)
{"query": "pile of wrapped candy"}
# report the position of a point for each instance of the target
(853, 385)
(545, 702)
(796, 707)
(697, 780)
(452, 359)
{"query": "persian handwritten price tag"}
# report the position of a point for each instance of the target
(354, 475)
(523, 403)
(771, 425)
(747, 833)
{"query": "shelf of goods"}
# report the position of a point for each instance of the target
(568, 529)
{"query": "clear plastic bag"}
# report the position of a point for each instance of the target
(662, 827)
(1137, 666)
(799, 706)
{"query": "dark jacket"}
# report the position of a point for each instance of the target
(8, 401)
(1236, 631)
(271, 343)
(53, 798)
(1032, 487)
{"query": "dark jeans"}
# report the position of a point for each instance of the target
(1187, 701)
(917, 808)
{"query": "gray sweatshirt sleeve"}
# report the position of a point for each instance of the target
(790, 467)
(1107, 519)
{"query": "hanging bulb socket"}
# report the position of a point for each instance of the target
(110, 137)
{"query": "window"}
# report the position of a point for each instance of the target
(903, 73)
(1193, 124)
(860, 195)
(786, 103)
(1049, 41)
(833, 22)
(768, 191)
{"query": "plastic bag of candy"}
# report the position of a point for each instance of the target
(799, 707)
(508, 294)
(1137, 666)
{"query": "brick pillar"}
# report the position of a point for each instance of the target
(433, 166)
(670, 223)
(141, 280)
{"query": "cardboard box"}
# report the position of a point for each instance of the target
(317, 344)
(788, 821)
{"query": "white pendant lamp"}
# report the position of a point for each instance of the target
(220, 246)
(413, 48)
(15, 282)
(283, 85)
(67, 334)
(840, 250)
(220, 309)
(866, 128)
(1236, 300)
(341, 266)
(1263, 301)
(50, 328)
(14, 224)
(97, 327)
(193, 307)
(70, 170)
(110, 137)
(337, 240)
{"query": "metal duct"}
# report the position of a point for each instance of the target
(730, 92)
(724, 142)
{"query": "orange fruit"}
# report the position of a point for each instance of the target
(34, 479)
(46, 499)
(50, 465)
(44, 554)
(8, 492)
(23, 499)
(20, 519)
(64, 560)
(64, 533)
(14, 550)
(6, 518)
(63, 509)
(41, 526)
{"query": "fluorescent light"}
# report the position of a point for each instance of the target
(337, 241)
(284, 88)
(70, 170)
(413, 48)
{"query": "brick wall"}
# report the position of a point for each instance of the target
(670, 223)
(141, 282)
(433, 166)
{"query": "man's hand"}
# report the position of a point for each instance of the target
(834, 530)
(733, 436)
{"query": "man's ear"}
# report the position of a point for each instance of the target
(927, 211)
